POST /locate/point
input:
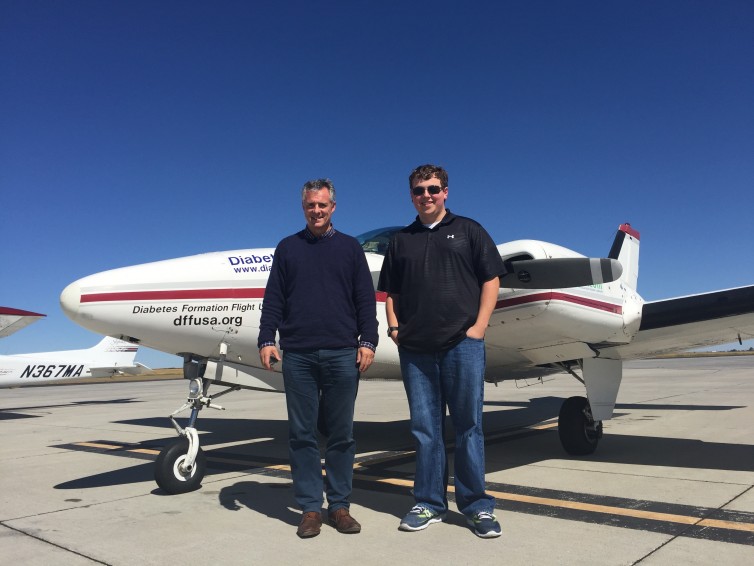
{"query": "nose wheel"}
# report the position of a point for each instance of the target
(175, 473)
(181, 465)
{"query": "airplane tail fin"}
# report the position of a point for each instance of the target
(113, 356)
(626, 250)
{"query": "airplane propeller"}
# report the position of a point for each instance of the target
(561, 272)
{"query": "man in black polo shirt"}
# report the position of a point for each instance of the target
(320, 298)
(441, 275)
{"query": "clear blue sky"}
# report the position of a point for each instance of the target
(134, 131)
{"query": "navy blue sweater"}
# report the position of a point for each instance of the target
(320, 295)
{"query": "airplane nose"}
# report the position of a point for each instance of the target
(70, 300)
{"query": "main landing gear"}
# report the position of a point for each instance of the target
(180, 466)
(579, 432)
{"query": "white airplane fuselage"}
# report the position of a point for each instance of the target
(210, 303)
(107, 358)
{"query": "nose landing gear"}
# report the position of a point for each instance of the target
(181, 465)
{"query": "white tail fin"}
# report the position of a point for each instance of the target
(626, 250)
(112, 356)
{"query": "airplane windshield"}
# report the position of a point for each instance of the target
(376, 241)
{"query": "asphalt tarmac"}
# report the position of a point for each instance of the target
(670, 483)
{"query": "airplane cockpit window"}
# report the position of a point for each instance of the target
(376, 241)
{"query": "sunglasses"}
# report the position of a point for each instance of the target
(433, 190)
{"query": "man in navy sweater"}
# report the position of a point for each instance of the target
(320, 299)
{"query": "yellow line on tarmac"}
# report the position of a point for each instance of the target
(594, 508)
(732, 525)
(530, 499)
(101, 446)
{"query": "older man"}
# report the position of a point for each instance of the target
(320, 298)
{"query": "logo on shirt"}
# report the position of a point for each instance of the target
(451, 236)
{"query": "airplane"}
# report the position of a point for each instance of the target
(110, 357)
(557, 311)
(13, 320)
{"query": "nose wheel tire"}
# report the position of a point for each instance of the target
(170, 472)
(579, 433)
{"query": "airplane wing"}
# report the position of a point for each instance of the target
(695, 321)
(13, 320)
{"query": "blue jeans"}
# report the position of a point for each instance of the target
(452, 378)
(327, 381)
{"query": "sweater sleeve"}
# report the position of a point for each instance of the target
(364, 299)
(274, 299)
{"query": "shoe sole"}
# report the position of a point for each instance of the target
(488, 534)
(351, 531)
(405, 527)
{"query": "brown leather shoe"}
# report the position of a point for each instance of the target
(341, 519)
(310, 525)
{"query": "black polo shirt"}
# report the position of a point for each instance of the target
(438, 274)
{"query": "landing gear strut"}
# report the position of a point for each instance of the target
(580, 419)
(181, 465)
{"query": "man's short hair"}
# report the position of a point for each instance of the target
(316, 185)
(424, 172)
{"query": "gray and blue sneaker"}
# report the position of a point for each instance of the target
(419, 518)
(485, 525)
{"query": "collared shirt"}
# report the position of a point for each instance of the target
(329, 233)
(437, 274)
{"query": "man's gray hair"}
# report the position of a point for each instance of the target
(318, 184)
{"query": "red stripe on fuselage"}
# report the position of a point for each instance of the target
(181, 294)
(556, 296)
(185, 294)
(258, 293)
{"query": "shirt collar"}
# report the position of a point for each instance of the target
(312, 238)
(445, 219)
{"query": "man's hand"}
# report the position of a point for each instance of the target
(269, 355)
(364, 359)
(394, 336)
(475, 332)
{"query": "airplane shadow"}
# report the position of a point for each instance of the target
(124, 476)
(9, 413)
(627, 449)
(259, 442)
